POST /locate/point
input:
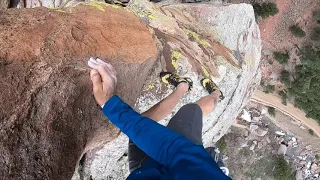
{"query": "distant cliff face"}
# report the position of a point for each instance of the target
(195, 40)
(48, 113)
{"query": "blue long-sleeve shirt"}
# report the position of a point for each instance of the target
(173, 156)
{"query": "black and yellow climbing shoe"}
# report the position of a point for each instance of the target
(175, 80)
(210, 86)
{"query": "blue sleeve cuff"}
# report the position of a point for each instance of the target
(110, 103)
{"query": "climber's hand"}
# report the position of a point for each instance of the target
(104, 80)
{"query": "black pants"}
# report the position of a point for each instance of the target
(187, 122)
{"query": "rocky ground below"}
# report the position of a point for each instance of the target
(254, 145)
(252, 148)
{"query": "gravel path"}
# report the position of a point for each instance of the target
(295, 113)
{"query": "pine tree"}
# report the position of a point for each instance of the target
(265, 9)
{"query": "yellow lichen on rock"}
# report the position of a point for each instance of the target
(98, 5)
(58, 10)
(205, 72)
(116, 6)
(150, 86)
(147, 10)
(143, 14)
(152, 16)
(197, 38)
(175, 55)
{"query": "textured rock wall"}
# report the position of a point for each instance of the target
(197, 40)
(48, 116)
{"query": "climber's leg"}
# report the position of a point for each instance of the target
(188, 120)
(208, 103)
(137, 157)
(165, 107)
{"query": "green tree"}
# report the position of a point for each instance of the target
(306, 85)
(282, 58)
(311, 132)
(315, 34)
(316, 15)
(283, 97)
(265, 9)
(282, 170)
(222, 145)
(297, 31)
(272, 111)
(285, 78)
(269, 89)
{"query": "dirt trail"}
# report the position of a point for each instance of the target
(289, 110)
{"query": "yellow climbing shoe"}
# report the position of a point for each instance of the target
(175, 80)
(210, 86)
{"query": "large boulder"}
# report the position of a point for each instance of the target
(48, 116)
(196, 40)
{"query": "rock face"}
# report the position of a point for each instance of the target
(197, 40)
(4, 4)
(48, 116)
(46, 3)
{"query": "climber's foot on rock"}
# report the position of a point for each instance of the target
(176, 80)
(211, 87)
